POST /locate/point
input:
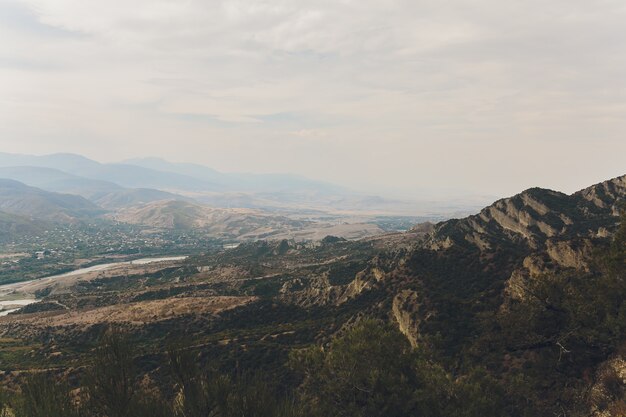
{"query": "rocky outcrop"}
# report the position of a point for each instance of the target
(607, 396)
(405, 308)
(571, 253)
(313, 291)
(575, 254)
(319, 291)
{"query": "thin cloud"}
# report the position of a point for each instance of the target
(310, 133)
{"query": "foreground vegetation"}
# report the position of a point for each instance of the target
(370, 370)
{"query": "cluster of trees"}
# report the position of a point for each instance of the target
(580, 316)
(566, 325)
(372, 371)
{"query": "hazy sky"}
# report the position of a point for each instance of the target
(481, 96)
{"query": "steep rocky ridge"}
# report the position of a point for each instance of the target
(452, 288)
(469, 273)
(606, 195)
(533, 217)
(490, 255)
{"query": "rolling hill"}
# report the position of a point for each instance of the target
(13, 226)
(240, 224)
(20, 199)
(228, 223)
(55, 180)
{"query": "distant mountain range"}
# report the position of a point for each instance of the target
(124, 175)
(241, 181)
(66, 188)
(105, 194)
(160, 174)
(145, 180)
(26, 210)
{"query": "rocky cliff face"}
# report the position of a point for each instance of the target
(405, 309)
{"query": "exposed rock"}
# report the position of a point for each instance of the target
(363, 281)
(606, 195)
(405, 310)
(515, 286)
(607, 396)
(538, 264)
(570, 254)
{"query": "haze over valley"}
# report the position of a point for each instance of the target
(67, 211)
(67, 188)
